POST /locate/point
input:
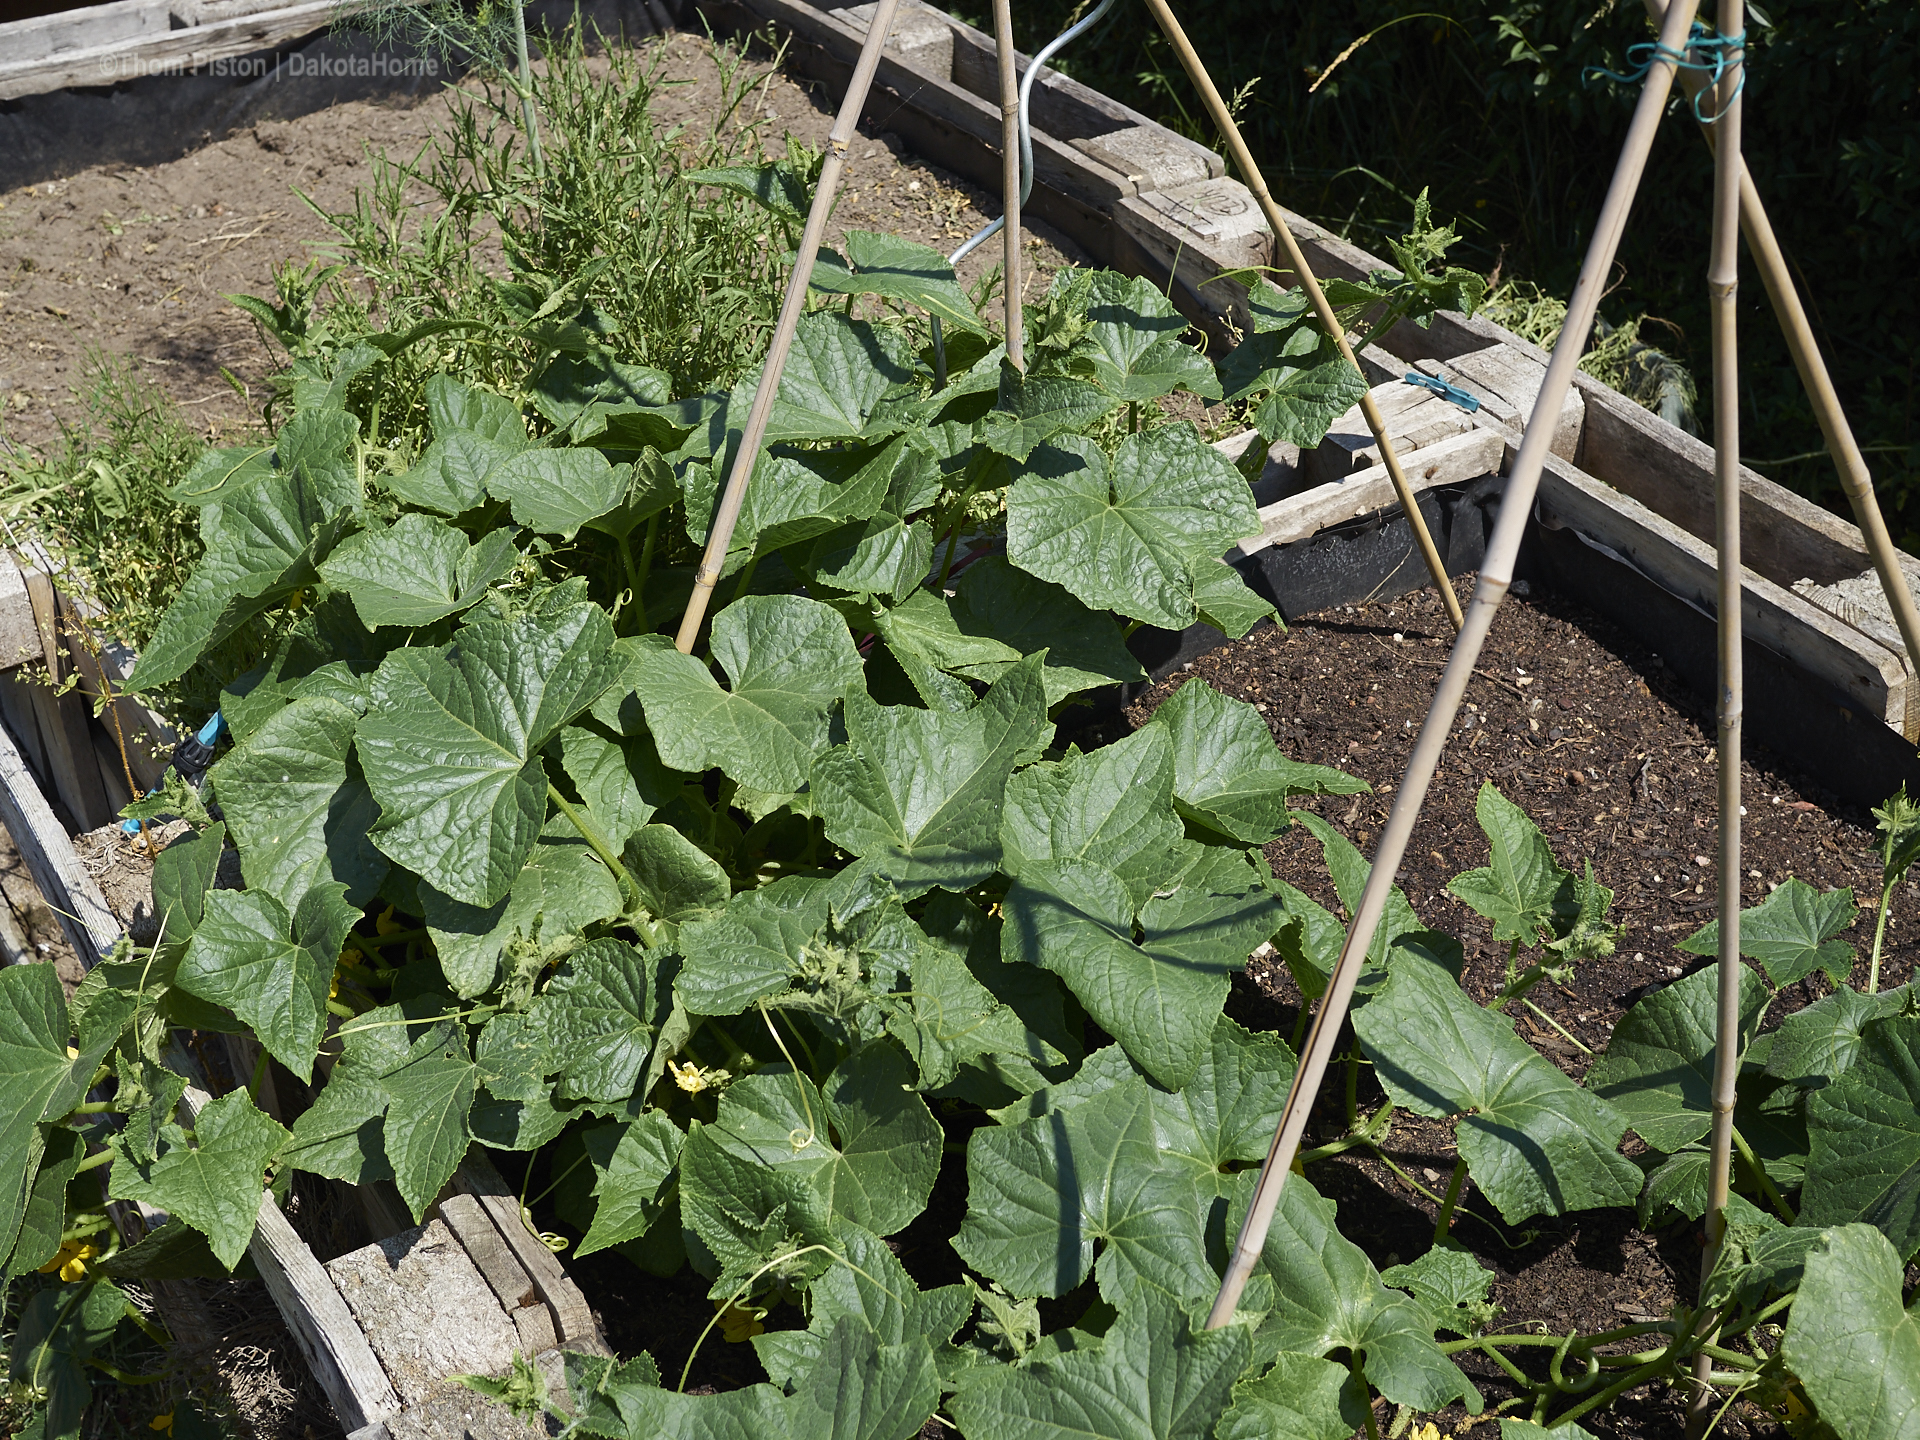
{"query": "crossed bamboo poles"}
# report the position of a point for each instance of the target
(1736, 205)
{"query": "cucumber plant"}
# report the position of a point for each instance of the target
(715, 934)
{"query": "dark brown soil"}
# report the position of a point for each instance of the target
(1584, 729)
(135, 260)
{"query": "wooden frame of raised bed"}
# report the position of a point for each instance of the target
(1622, 521)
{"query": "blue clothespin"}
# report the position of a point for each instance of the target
(1454, 393)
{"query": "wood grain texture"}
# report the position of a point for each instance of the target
(573, 1317)
(48, 850)
(1460, 458)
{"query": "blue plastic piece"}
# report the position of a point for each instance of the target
(1454, 393)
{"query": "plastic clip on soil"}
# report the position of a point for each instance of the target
(728, 515)
(1277, 222)
(1495, 576)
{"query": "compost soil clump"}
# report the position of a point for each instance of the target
(1613, 758)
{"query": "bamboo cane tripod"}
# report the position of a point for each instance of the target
(1496, 575)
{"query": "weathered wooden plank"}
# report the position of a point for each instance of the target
(573, 1317)
(48, 850)
(147, 738)
(425, 1310)
(115, 60)
(1463, 457)
(1415, 419)
(16, 708)
(20, 639)
(489, 1252)
(1870, 674)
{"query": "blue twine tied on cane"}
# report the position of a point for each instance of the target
(1719, 51)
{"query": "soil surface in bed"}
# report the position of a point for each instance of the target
(1612, 757)
(137, 260)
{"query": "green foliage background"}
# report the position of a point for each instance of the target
(1483, 101)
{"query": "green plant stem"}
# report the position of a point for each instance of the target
(1571, 1037)
(1366, 1397)
(92, 1107)
(1353, 1088)
(153, 1332)
(1443, 1222)
(528, 113)
(1414, 1185)
(94, 1161)
(1605, 1337)
(1513, 951)
(629, 892)
(741, 587)
(1774, 1198)
(1304, 1018)
(1879, 932)
(1633, 1379)
(259, 1076)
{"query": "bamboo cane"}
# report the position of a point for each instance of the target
(838, 139)
(1276, 221)
(1723, 282)
(1009, 178)
(1496, 574)
(1855, 479)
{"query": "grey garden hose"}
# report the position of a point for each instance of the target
(993, 227)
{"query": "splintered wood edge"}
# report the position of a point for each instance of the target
(48, 850)
(572, 1316)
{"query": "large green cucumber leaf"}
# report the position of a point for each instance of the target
(632, 1168)
(342, 1134)
(1658, 1066)
(452, 477)
(1223, 599)
(785, 1161)
(35, 1077)
(261, 547)
(271, 969)
(1304, 382)
(1328, 1296)
(1311, 946)
(1228, 774)
(797, 494)
(561, 890)
(825, 944)
(674, 878)
(900, 270)
(1158, 995)
(417, 570)
(1133, 344)
(183, 873)
(875, 1147)
(1084, 648)
(1223, 1119)
(1043, 1194)
(1124, 535)
(1791, 933)
(843, 378)
(1151, 1375)
(557, 491)
(621, 783)
(298, 806)
(923, 634)
(1534, 1141)
(1853, 1345)
(597, 1017)
(1112, 807)
(859, 1388)
(456, 408)
(1032, 409)
(44, 1214)
(212, 1182)
(326, 655)
(917, 793)
(788, 661)
(872, 1289)
(950, 1019)
(879, 557)
(57, 1335)
(1301, 1398)
(451, 743)
(1817, 1045)
(430, 1092)
(222, 473)
(1865, 1129)
(1451, 1285)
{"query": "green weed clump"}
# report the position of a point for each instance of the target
(1616, 356)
